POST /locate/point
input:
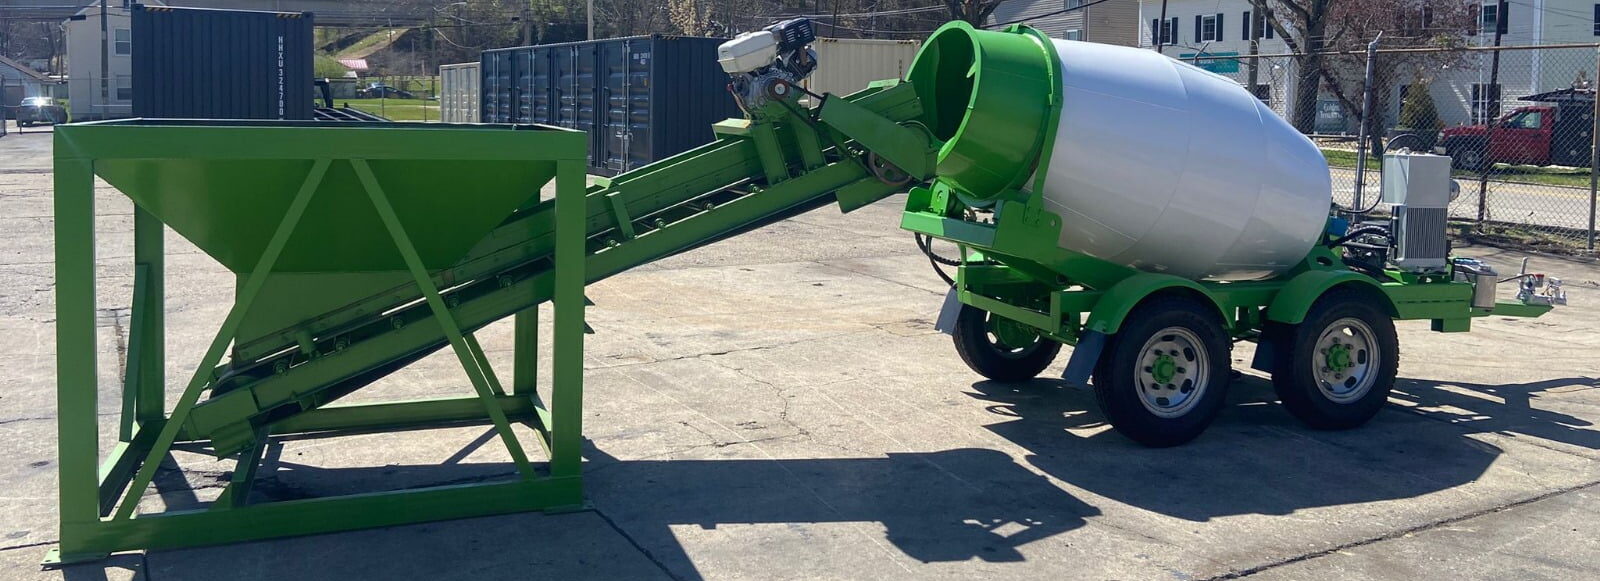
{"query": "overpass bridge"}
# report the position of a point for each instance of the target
(328, 12)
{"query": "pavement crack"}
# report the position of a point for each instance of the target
(1399, 533)
(636, 546)
(27, 545)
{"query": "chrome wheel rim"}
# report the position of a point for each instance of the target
(1346, 360)
(1172, 372)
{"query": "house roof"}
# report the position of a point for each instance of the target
(24, 69)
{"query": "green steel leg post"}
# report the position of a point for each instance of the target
(525, 348)
(244, 473)
(77, 415)
(150, 259)
(566, 430)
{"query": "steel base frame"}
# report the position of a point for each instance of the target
(98, 498)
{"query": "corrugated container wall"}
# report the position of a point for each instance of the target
(458, 93)
(221, 64)
(846, 65)
(640, 98)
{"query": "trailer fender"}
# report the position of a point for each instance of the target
(1296, 298)
(1122, 297)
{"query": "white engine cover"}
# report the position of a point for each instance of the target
(1169, 168)
(748, 52)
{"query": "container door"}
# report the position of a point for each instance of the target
(522, 85)
(563, 87)
(625, 131)
(539, 86)
(586, 100)
(498, 87)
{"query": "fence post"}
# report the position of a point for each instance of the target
(1361, 133)
(1594, 149)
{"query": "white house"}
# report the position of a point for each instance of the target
(1108, 22)
(100, 76)
(1462, 91)
(1208, 32)
(1196, 29)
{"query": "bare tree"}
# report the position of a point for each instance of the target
(1315, 29)
(975, 12)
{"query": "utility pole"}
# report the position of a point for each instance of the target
(590, 13)
(105, 56)
(1257, 20)
(1161, 27)
(1491, 102)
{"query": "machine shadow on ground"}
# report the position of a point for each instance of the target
(1256, 459)
(974, 503)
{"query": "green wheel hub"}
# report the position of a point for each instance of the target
(1338, 357)
(1011, 334)
(1164, 368)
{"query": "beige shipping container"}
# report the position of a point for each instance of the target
(458, 93)
(846, 65)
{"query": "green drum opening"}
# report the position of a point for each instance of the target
(989, 95)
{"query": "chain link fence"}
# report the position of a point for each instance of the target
(1518, 123)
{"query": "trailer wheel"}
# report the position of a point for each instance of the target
(1164, 375)
(999, 348)
(1334, 370)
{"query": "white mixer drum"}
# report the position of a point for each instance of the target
(1169, 168)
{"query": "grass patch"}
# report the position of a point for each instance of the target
(1526, 174)
(395, 109)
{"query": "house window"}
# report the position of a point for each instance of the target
(1070, 4)
(124, 42)
(1251, 24)
(1485, 103)
(1074, 34)
(1164, 32)
(1597, 19)
(1208, 28)
(1491, 20)
(124, 88)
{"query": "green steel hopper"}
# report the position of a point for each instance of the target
(360, 249)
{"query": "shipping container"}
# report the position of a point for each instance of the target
(640, 98)
(458, 93)
(221, 64)
(846, 65)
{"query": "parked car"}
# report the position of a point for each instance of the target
(40, 110)
(382, 91)
(1553, 134)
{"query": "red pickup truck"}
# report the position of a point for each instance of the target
(1554, 134)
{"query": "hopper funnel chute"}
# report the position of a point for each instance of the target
(230, 207)
(991, 97)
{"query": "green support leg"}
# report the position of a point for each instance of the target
(150, 259)
(525, 350)
(566, 398)
(76, 402)
(244, 473)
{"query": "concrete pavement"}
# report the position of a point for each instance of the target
(778, 406)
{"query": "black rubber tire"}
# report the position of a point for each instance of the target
(1460, 159)
(1293, 368)
(1116, 378)
(990, 360)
